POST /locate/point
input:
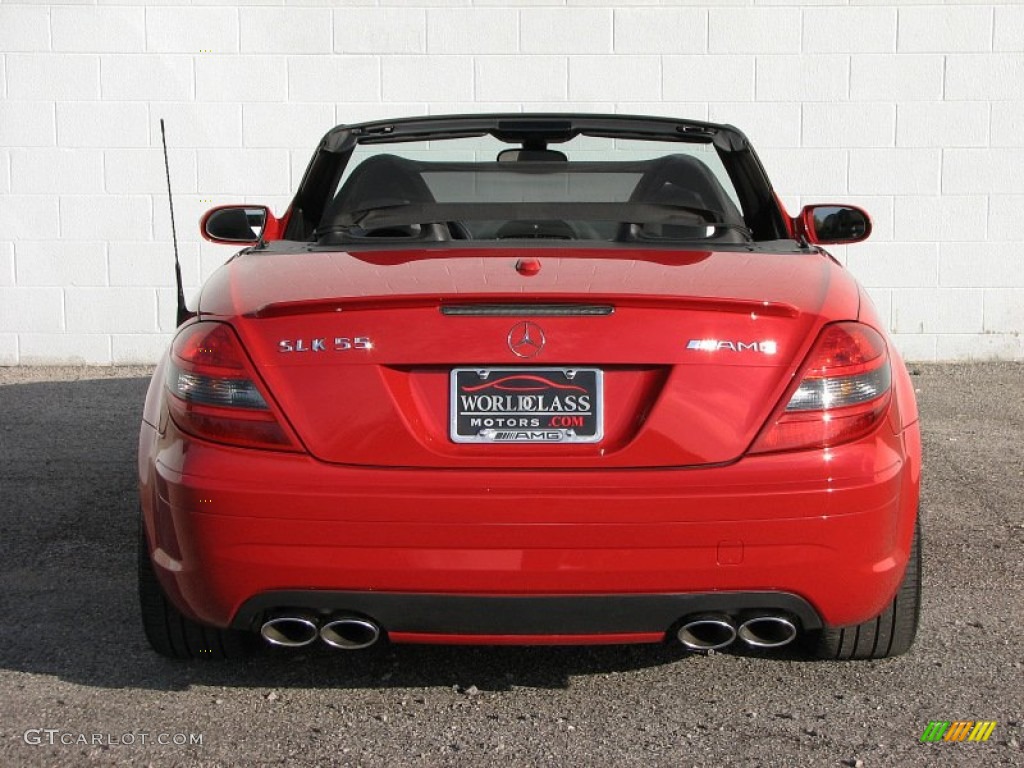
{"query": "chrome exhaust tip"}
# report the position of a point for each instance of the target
(289, 631)
(707, 633)
(350, 633)
(767, 632)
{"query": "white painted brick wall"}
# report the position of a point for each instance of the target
(853, 124)
(52, 76)
(571, 30)
(241, 79)
(26, 309)
(320, 79)
(98, 29)
(191, 30)
(1004, 214)
(55, 171)
(424, 78)
(143, 77)
(297, 125)
(942, 124)
(894, 172)
(106, 218)
(61, 263)
(102, 124)
(6, 264)
(30, 217)
(143, 264)
(524, 78)
(661, 30)
(1009, 28)
(286, 30)
(628, 77)
(473, 30)
(979, 77)
(849, 30)
(807, 78)
(896, 77)
(708, 78)
(73, 348)
(967, 28)
(754, 30)
(1007, 123)
(921, 218)
(380, 30)
(24, 28)
(914, 110)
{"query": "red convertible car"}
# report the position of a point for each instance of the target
(531, 379)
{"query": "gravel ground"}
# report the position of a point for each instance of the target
(74, 664)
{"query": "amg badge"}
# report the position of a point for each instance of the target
(725, 345)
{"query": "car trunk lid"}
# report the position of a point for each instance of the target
(384, 358)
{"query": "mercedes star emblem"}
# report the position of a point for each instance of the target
(526, 339)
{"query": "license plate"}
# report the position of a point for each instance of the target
(526, 405)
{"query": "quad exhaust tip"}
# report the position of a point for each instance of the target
(350, 633)
(289, 631)
(767, 631)
(709, 632)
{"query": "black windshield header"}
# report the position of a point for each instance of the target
(534, 129)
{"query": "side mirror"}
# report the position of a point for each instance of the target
(234, 224)
(833, 224)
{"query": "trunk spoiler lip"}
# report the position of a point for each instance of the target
(420, 301)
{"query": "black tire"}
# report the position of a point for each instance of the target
(890, 633)
(173, 635)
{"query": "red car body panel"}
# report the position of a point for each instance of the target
(401, 383)
(246, 522)
(376, 499)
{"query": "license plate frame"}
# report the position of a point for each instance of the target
(511, 413)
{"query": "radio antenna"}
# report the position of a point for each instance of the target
(183, 313)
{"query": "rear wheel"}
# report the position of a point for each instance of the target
(173, 635)
(888, 634)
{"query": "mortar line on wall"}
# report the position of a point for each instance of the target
(896, 42)
(800, 34)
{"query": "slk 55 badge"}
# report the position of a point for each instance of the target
(337, 344)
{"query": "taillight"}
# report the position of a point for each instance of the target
(214, 394)
(843, 392)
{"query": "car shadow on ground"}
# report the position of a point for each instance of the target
(68, 585)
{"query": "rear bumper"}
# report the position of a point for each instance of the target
(419, 617)
(234, 532)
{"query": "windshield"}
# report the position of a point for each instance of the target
(481, 189)
(543, 176)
